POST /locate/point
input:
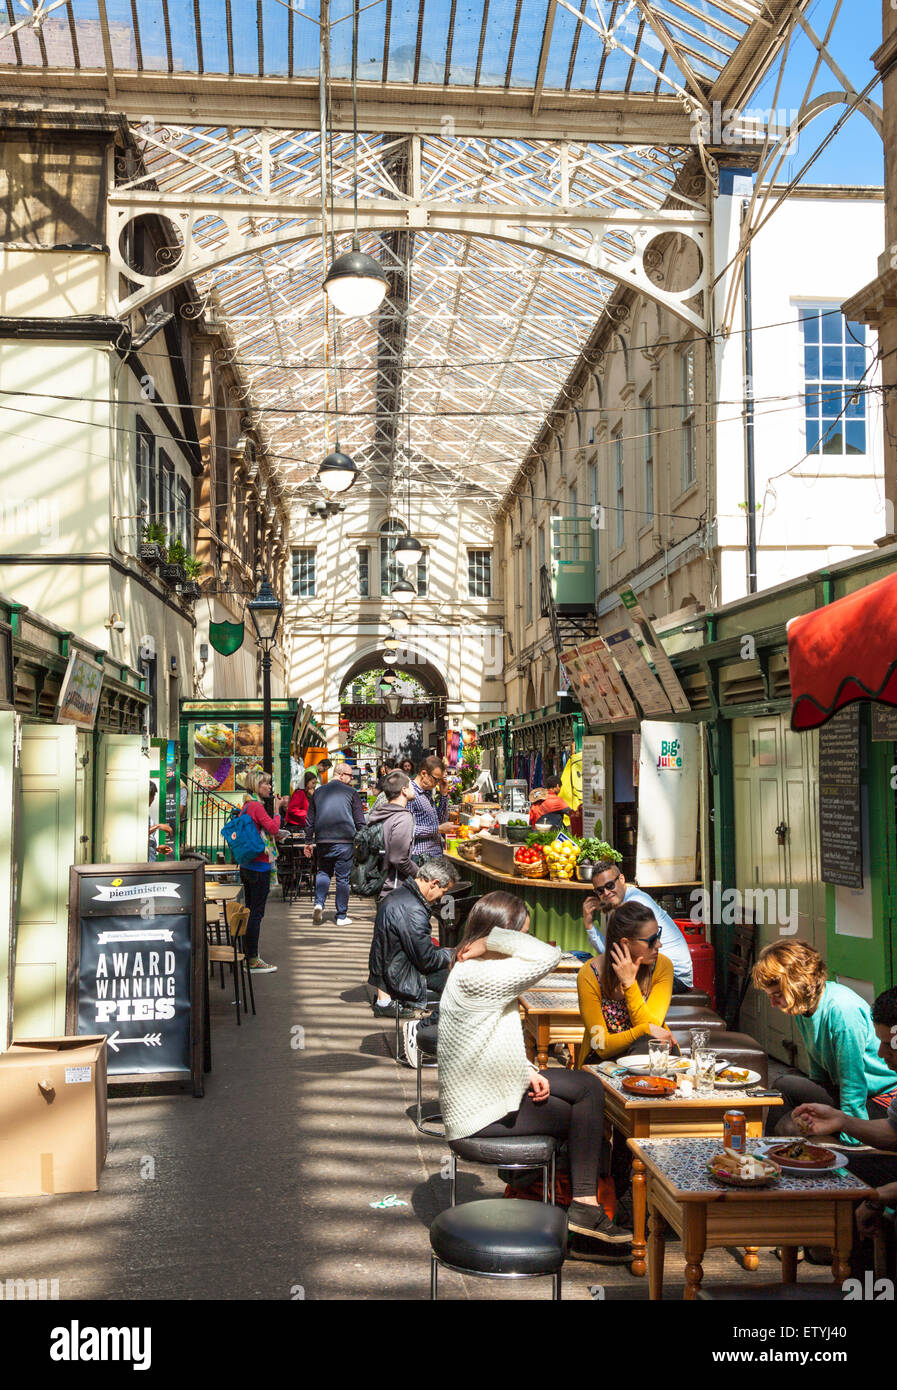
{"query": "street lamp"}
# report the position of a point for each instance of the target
(393, 703)
(265, 611)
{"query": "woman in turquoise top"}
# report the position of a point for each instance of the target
(836, 1028)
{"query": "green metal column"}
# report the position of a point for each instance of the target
(719, 738)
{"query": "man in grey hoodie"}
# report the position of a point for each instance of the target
(398, 829)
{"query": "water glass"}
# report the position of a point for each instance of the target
(699, 1038)
(705, 1072)
(658, 1057)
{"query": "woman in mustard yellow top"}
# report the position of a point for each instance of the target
(624, 994)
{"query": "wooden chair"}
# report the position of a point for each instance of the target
(224, 932)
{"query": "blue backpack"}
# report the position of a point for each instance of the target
(243, 838)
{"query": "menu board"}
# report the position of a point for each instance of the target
(598, 662)
(136, 935)
(641, 679)
(654, 652)
(594, 814)
(840, 816)
(884, 723)
(224, 752)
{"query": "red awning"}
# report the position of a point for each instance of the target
(844, 652)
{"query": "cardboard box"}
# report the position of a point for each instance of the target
(52, 1115)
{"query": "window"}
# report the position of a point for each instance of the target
(185, 520)
(364, 572)
(479, 573)
(619, 487)
(574, 512)
(167, 496)
(593, 485)
(528, 581)
(688, 417)
(648, 439)
(592, 435)
(146, 472)
(390, 569)
(304, 573)
(834, 360)
(541, 547)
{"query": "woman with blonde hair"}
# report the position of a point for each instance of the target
(836, 1028)
(256, 877)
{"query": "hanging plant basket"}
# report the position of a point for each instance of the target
(172, 574)
(190, 590)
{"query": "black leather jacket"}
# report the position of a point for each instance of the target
(402, 952)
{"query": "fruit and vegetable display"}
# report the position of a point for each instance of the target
(593, 851)
(561, 857)
(527, 856)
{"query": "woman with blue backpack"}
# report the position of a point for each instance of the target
(244, 837)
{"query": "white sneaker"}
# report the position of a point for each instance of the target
(318, 915)
(409, 1033)
(344, 921)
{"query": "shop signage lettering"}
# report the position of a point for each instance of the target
(117, 891)
(670, 758)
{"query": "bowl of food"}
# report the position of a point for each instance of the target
(800, 1157)
(742, 1170)
(649, 1086)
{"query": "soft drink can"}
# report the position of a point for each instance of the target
(734, 1130)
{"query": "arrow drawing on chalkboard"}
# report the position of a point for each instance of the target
(148, 1040)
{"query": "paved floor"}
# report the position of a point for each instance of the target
(264, 1188)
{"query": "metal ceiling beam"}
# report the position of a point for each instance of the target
(281, 103)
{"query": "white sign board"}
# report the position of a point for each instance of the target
(594, 817)
(669, 781)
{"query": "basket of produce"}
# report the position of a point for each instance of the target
(562, 859)
(468, 850)
(517, 831)
(529, 862)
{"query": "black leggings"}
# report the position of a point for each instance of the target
(800, 1090)
(573, 1111)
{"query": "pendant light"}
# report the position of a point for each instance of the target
(403, 590)
(408, 551)
(398, 620)
(337, 472)
(355, 284)
(389, 677)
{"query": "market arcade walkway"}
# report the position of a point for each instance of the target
(263, 1189)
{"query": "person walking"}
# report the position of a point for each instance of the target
(398, 828)
(256, 877)
(334, 815)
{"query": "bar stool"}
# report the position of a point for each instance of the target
(495, 1239)
(513, 1152)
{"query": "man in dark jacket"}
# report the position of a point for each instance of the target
(404, 963)
(334, 814)
(398, 828)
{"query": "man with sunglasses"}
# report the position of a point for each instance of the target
(611, 889)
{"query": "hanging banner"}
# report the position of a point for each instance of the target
(654, 652)
(593, 785)
(79, 694)
(597, 661)
(669, 780)
(640, 678)
(226, 638)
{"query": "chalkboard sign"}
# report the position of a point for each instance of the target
(884, 723)
(135, 967)
(840, 816)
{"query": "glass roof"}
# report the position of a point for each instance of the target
(477, 336)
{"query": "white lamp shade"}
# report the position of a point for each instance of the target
(403, 590)
(356, 284)
(337, 472)
(399, 621)
(408, 551)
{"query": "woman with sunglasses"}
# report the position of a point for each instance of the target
(625, 993)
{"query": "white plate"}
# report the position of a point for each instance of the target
(750, 1080)
(639, 1064)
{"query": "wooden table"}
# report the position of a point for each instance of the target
(793, 1211)
(549, 1016)
(223, 892)
(641, 1117)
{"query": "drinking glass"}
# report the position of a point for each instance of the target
(705, 1071)
(658, 1057)
(699, 1038)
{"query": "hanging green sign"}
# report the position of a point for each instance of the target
(226, 638)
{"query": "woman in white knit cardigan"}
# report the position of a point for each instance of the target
(487, 1087)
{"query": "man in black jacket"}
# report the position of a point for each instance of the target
(404, 963)
(335, 812)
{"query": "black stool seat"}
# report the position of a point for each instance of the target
(770, 1293)
(427, 1035)
(501, 1237)
(516, 1148)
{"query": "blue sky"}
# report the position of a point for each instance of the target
(856, 155)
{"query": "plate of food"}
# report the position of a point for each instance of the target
(800, 1157)
(677, 1066)
(649, 1085)
(734, 1078)
(742, 1170)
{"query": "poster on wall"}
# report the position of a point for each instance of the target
(79, 694)
(224, 753)
(594, 817)
(669, 788)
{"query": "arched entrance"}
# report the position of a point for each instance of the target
(406, 721)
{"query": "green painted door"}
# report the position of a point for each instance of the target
(45, 848)
(84, 773)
